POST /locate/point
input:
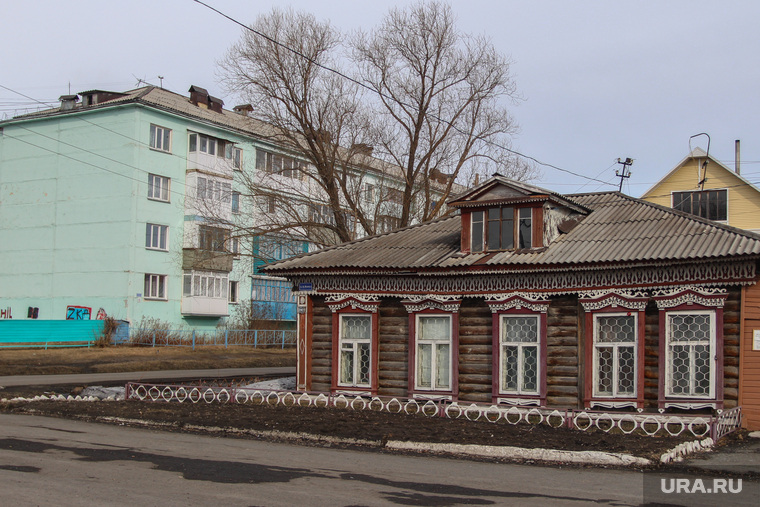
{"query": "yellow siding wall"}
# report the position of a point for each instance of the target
(743, 201)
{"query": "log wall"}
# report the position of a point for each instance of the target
(565, 342)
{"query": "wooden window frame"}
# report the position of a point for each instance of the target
(432, 307)
(536, 228)
(353, 306)
(613, 304)
(510, 397)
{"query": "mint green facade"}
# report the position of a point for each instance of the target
(74, 204)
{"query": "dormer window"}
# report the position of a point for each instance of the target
(502, 228)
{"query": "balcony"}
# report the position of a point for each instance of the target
(196, 259)
(204, 306)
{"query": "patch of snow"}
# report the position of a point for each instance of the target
(588, 457)
(103, 393)
(278, 384)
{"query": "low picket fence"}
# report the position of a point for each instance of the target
(224, 337)
(651, 424)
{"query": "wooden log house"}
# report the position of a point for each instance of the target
(528, 297)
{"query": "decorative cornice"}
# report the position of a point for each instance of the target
(518, 301)
(549, 283)
(448, 304)
(630, 300)
(711, 297)
(362, 302)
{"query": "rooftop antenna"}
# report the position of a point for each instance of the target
(704, 164)
(161, 79)
(622, 175)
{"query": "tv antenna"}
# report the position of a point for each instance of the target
(622, 175)
(703, 179)
(161, 79)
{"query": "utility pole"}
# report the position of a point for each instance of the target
(622, 175)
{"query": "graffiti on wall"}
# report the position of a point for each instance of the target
(33, 312)
(5, 313)
(78, 313)
(101, 315)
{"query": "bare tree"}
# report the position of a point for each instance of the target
(439, 113)
(356, 156)
(314, 114)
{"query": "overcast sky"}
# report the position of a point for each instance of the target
(601, 79)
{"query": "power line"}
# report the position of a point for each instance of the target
(381, 94)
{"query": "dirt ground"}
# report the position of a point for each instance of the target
(377, 427)
(129, 358)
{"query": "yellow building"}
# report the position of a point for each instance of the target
(702, 186)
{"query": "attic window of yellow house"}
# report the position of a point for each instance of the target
(501, 228)
(710, 204)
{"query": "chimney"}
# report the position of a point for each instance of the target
(244, 109)
(68, 102)
(737, 158)
(199, 96)
(215, 104)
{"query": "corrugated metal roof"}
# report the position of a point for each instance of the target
(619, 229)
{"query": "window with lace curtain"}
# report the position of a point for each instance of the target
(433, 354)
(355, 350)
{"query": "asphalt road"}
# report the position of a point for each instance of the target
(46, 461)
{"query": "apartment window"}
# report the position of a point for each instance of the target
(237, 159)
(156, 236)
(355, 350)
(213, 239)
(210, 145)
(387, 224)
(519, 370)
(233, 292)
(689, 349)
(395, 195)
(158, 187)
(213, 190)
(236, 202)
(433, 352)
(710, 204)
(160, 138)
(235, 246)
(615, 347)
(279, 164)
(155, 286)
(369, 192)
(321, 214)
(503, 228)
(205, 284)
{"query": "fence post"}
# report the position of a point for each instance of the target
(255, 338)
(283, 339)
(193, 339)
(154, 338)
(226, 336)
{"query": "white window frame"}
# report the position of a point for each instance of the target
(237, 158)
(352, 345)
(153, 290)
(669, 355)
(235, 202)
(163, 233)
(158, 138)
(159, 187)
(209, 284)
(234, 286)
(503, 344)
(418, 341)
(616, 367)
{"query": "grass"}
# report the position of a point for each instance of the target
(128, 358)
